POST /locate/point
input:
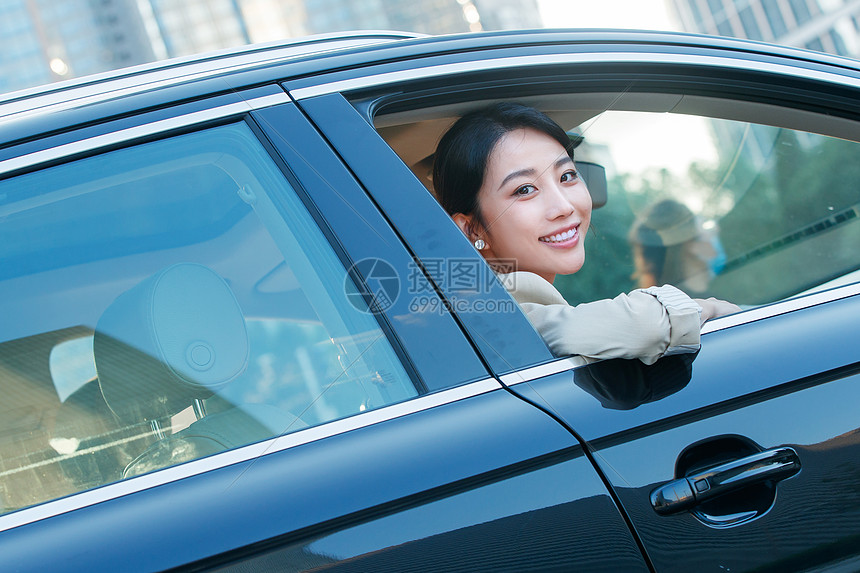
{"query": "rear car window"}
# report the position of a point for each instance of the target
(745, 212)
(166, 302)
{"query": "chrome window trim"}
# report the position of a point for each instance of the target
(745, 317)
(781, 307)
(244, 454)
(131, 133)
(548, 369)
(551, 59)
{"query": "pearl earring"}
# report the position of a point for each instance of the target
(480, 244)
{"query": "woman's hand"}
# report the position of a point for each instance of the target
(715, 308)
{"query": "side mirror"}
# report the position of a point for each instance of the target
(594, 176)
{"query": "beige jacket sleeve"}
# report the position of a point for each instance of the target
(646, 324)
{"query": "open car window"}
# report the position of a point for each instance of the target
(166, 302)
(753, 212)
(744, 212)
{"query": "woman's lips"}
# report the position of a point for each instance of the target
(567, 238)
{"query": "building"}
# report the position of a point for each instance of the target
(192, 26)
(421, 16)
(509, 14)
(47, 40)
(824, 25)
(831, 26)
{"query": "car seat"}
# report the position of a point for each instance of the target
(168, 344)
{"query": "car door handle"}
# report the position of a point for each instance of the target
(684, 493)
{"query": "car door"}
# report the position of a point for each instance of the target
(741, 456)
(738, 465)
(211, 362)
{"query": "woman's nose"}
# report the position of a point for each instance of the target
(559, 203)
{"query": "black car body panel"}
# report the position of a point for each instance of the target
(640, 422)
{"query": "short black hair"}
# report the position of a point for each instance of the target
(464, 151)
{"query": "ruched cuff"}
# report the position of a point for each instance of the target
(685, 321)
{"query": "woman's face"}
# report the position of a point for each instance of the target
(535, 207)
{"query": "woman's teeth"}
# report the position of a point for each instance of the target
(559, 237)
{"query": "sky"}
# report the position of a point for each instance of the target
(636, 14)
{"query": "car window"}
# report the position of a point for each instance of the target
(165, 302)
(744, 212)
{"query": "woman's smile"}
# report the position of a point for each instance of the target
(563, 239)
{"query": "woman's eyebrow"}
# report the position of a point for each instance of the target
(520, 173)
(531, 173)
(563, 160)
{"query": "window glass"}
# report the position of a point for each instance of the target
(749, 23)
(801, 11)
(815, 44)
(748, 213)
(774, 17)
(697, 15)
(166, 302)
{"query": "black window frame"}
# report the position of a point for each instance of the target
(347, 116)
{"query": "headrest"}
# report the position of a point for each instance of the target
(176, 336)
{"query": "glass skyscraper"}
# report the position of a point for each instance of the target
(178, 28)
(48, 40)
(824, 25)
(22, 61)
(831, 26)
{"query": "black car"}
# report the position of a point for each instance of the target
(238, 332)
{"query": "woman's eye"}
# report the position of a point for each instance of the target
(568, 176)
(525, 190)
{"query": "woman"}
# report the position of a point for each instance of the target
(506, 176)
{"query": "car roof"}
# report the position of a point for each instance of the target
(34, 111)
(145, 77)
